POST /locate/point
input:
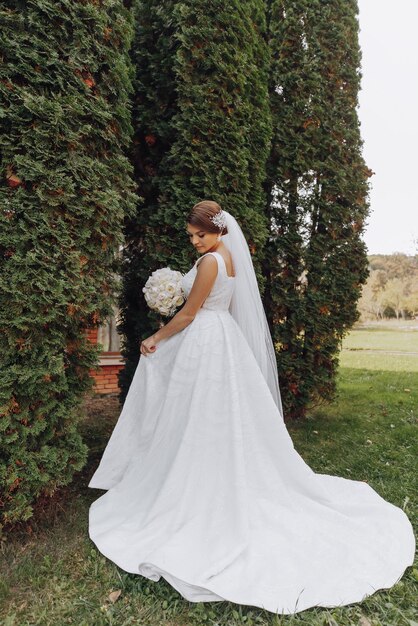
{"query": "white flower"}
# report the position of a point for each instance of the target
(163, 291)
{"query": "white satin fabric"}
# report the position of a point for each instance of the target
(205, 488)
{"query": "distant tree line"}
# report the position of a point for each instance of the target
(391, 289)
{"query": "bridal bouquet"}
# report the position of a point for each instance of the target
(163, 291)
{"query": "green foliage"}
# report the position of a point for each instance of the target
(65, 186)
(315, 260)
(202, 131)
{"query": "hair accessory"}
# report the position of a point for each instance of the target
(219, 219)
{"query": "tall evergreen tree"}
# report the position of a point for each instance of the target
(315, 262)
(203, 130)
(65, 186)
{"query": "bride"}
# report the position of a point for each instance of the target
(203, 484)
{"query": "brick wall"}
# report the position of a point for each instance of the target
(106, 378)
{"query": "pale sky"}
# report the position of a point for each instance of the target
(389, 122)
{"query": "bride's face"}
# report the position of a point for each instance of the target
(201, 239)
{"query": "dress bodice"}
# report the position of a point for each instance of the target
(220, 295)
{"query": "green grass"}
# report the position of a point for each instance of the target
(390, 346)
(382, 362)
(393, 335)
(55, 575)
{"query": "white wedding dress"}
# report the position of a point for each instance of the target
(205, 488)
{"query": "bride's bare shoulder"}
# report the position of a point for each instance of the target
(208, 255)
(206, 270)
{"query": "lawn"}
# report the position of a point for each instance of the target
(391, 335)
(54, 575)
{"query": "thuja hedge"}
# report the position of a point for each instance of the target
(202, 131)
(315, 262)
(65, 187)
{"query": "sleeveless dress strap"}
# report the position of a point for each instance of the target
(221, 264)
(206, 253)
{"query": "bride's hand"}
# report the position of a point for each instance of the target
(148, 345)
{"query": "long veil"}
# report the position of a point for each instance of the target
(247, 309)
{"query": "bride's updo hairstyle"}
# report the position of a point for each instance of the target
(200, 216)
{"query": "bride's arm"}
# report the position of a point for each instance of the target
(207, 271)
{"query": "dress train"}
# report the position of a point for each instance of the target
(205, 488)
